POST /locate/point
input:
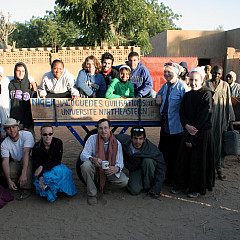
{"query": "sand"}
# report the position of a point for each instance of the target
(119, 215)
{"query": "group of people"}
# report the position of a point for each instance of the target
(189, 156)
(193, 155)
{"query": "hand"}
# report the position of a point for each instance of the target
(191, 129)
(94, 95)
(38, 170)
(26, 129)
(33, 86)
(123, 97)
(75, 97)
(112, 170)
(22, 180)
(42, 96)
(188, 144)
(12, 185)
(96, 161)
(159, 99)
(3, 135)
(41, 184)
(138, 97)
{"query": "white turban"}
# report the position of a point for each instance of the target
(199, 70)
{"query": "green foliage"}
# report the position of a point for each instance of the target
(97, 23)
(45, 32)
(118, 21)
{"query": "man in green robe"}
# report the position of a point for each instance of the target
(222, 114)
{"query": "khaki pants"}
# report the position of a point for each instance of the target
(88, 171)
(16, 170)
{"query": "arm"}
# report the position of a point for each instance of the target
(89, 149)
(6, 170)
(159, 175)
(147, 84)
(102, 85)
(131, 95)
(81, 83)
(118, 164)
(25, 162)
(111, 89)
(71, 85)
(42, 90)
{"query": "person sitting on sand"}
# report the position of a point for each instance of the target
(121, 87)
(58, 83)
(16, 161)
(98, 148)
(144, 161)
(50, 175)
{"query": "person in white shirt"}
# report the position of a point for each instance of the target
(58, 83)
(16, 162)
(4, 100)
(102, 147)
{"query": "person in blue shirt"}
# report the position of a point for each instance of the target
(170, 97)
(140, 77)
(90, 82)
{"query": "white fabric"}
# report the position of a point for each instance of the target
(63, 84)
(4, 101)
(199, 70)
(89, 151)
(15, 149)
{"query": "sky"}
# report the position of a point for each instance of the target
(196, 15)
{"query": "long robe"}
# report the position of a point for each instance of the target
(195, 166)
(222, 115)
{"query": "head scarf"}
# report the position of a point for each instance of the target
(199, 70)
(233, 75)
(173, 66)
(25, 85)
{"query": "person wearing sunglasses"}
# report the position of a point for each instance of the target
(16, 161)
(144, 161)
(170, 97)
(51, 177)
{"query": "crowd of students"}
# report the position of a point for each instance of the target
(194, 104)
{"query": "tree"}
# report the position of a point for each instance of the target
(113, 21)
(44, 31)
(6, 28)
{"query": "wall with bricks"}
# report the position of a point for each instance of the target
(38, 60)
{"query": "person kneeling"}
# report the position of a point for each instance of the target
(144, 161)
(50, 175)
(98, 148)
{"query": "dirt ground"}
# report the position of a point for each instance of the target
(119, 215)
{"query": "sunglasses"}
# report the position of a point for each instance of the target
(171, 64)
(47, 134)
(138, 130)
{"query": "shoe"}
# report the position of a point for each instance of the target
(220, 175)
(92, 200)
(193, 195)
(24, 195)
(175, 191)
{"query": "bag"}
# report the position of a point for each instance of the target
(231, 143)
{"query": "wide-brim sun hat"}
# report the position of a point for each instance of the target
(10, 122)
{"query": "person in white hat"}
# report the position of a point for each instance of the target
(4, 100)
(16, 161)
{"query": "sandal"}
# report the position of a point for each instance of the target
(24, 195)
(220, 175)
(153, 194)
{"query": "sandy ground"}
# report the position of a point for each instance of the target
(122, 216)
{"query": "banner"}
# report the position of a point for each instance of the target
(93, 109)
